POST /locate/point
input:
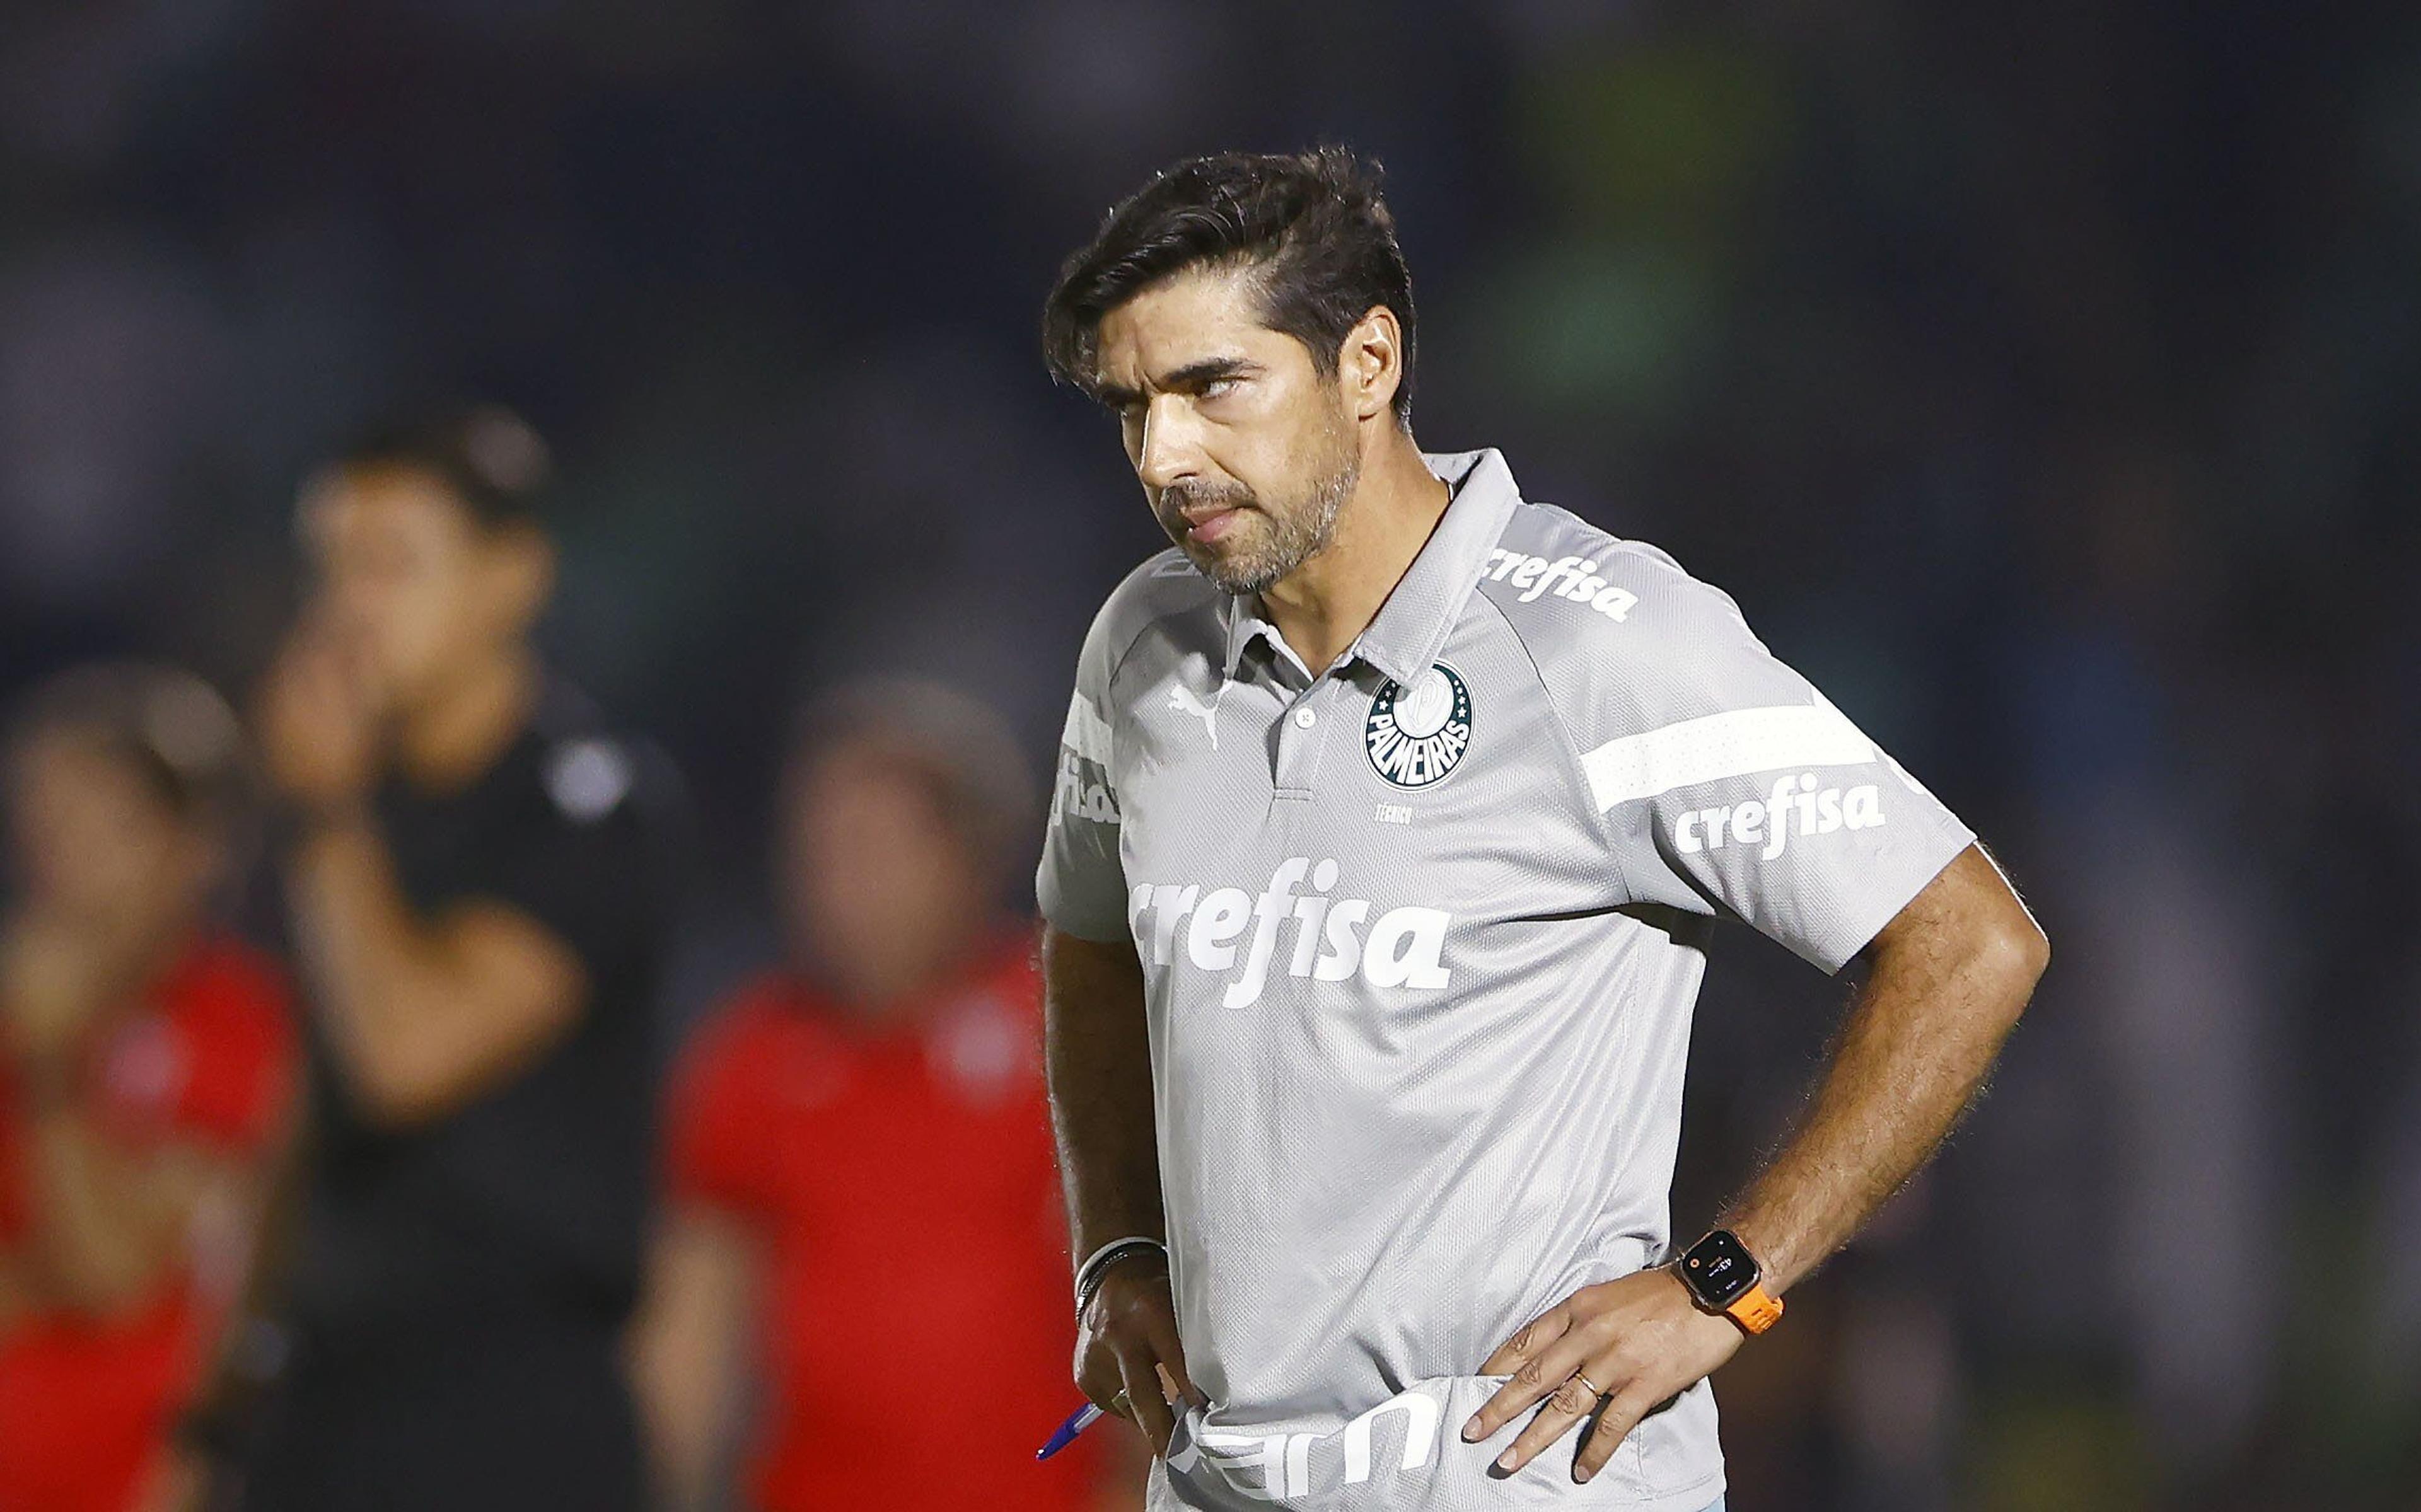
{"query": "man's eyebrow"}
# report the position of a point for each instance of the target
(1191, 376)
(1195, 374)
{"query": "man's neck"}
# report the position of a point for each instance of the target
(1324, 604)
(907, 995)
(457, 734)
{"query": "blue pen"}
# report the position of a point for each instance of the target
(1078, 1421)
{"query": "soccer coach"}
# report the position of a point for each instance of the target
(1393, 815)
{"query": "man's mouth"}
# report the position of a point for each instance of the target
(1209, 523)
(1198, 518)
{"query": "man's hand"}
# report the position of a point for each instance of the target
(1128, 1358)
(1639, 1341)
(317, 722)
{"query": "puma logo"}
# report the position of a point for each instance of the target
(1181, 699)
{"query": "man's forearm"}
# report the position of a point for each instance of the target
(1943, 993)
(361, 944)
(423, 1014)
(109, 1222)
(687, 1360)
(1098, 1051)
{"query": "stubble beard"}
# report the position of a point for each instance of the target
(1276, 540)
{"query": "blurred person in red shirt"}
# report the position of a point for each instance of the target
(145, 1058)
(859, 1154)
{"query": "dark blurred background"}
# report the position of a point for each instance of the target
(2040, 379)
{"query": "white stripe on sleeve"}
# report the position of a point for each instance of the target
(1734, 744)
(1086, 733)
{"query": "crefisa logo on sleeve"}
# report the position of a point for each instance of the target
(1795, 803)
(1416, 735)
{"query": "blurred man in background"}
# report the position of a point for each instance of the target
(860, 1165)
(144, 1068)
(478, 886)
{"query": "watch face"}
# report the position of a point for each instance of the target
(1719, 1270)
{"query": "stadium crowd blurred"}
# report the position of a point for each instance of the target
(2038, 381)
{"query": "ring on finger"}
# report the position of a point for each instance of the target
(1118, 1402)
(1594, 1390)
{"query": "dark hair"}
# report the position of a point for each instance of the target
(167, 726)
(1311, 224)
(490, 459)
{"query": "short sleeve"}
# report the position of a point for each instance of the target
(1081, 885)
(1731, 779)
(717, 1149)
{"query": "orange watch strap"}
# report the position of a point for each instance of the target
(1756, 1309)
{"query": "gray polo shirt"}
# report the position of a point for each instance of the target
(1421, 934)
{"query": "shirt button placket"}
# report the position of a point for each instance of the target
(1299, 740)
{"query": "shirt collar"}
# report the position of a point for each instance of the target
(1411, 628)
(1244, 625)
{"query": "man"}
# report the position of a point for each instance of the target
(144, 1059)
(1393, 813)
(479, 889)
(859, 1157)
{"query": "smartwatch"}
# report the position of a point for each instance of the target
(1723, 1277)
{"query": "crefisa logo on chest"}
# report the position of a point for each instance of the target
(1416, 735)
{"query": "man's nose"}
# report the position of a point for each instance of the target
(1167, 453)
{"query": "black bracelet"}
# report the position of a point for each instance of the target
(1088, 1279)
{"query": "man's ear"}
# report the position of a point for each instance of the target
(1371, 362)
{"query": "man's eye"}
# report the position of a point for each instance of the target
(1218, 386)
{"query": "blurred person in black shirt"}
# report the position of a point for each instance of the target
(478, 884)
